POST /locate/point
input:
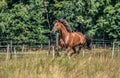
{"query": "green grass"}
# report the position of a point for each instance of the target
(38, 65)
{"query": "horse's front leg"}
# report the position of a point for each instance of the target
(67, 50)
(58, 47)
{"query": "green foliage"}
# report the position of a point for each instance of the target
(3, 4)
(26, 20)
(24, 23)
(99, 19)
(110, 22)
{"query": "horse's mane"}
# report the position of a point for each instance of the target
(65, 23)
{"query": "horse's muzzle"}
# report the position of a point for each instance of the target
(53, 31)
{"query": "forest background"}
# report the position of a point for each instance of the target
(32, 20)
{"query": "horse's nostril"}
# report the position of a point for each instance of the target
(53, 31)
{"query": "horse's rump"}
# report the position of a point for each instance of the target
(88, 41)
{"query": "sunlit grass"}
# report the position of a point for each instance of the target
(39, 65)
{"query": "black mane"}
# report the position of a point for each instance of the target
(65, 23)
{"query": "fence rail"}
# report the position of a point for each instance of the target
(95, 42)
(11, 47)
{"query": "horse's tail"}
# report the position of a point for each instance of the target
(88, 41)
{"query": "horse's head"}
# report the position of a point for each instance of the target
(57, 26)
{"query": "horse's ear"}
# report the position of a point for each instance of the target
(58, 20)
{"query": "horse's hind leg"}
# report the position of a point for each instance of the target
(74, 51)
(79, 49)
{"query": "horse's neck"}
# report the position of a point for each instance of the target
(64, 33)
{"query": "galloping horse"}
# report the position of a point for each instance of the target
(71, 39)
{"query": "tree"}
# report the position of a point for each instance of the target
(26, 19)
(24, 23)
(92, 17)
(3, 5)
(110, 22)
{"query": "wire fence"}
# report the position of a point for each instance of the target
(11, 47)
(97, 43)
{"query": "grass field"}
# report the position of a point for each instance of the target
(38, 65)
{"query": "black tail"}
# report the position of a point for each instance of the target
(88, 41)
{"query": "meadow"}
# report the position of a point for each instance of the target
(39, 65)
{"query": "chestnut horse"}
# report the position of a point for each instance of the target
(71, 39)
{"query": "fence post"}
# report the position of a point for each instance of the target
(22, 50)
(11, 49)
(83, 52)
(7, 55)
(48, 53)
(15, 52)
(94, 46)
(113, 48)
(57, 43)
(53, 49)
(41, 47)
